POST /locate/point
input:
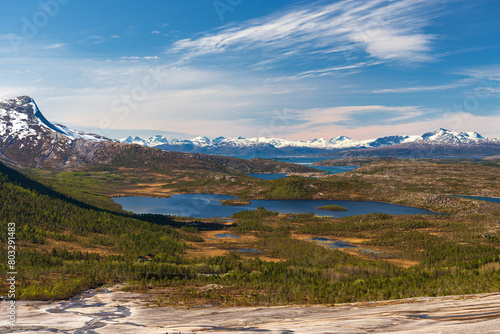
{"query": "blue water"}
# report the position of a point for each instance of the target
(209, 206)
(332, 243)
(247, 250)
(301, 160)
(226, 236)
(268, 176)
(488, 199)
(336, 244)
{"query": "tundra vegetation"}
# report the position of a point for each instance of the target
(332, 208)
(71, 236)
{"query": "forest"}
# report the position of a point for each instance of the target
(70, 237)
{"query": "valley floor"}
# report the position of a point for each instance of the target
(114, 311)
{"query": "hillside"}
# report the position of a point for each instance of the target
(70, 236)
(66, 245)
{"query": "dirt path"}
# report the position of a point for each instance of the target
(112, 311)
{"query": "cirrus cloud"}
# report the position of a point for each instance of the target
(384, 30)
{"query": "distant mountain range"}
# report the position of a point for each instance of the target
(342, 145)
(28, 139)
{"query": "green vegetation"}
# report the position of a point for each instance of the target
(296, 187)
(332, 208)
(71, 237)
(236, 202)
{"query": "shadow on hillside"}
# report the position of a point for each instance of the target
(16, 177)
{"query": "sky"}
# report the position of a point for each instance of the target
(256, 68)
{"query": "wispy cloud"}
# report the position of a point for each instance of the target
(461, 83)
(321, 118)
(54, 46)
(136, 58)
(484, 78)
(353, 68)
(384, 30)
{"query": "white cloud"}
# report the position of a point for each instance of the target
(54, 46)
(156, 32)
(336, 69)
(385, 30)
(324, 117)
(393, 45)
(485, 79)
(461, 83)
(406, 120)
(137, 58)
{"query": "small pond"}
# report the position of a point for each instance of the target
(337, 244)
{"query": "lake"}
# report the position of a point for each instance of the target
(209, 206)
(487, 199)
(300, 160)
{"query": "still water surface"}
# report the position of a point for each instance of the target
(300, 160)
(487, 199)
(209, 206)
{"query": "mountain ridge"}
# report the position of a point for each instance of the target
(240, 145)
(28, 139)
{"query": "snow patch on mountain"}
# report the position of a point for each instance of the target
(77, 134)
(440, 136)
(20, 118)
(451, 137)
(13, 122)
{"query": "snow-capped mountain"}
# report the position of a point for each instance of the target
(264, 145)
(20, 118)
(450, 137)
(27, 138)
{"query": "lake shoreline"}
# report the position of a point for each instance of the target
(209, 206)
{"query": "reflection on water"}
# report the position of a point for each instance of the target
(209, 206)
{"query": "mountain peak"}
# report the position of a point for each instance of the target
(451, 137)
(23, 99)
(221, 145)
(21, 118)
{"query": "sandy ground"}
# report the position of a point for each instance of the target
(113, 311)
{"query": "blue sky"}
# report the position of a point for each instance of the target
(293, 69)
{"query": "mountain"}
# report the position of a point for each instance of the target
(21, 119)
(273, 146)
(28, 139)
